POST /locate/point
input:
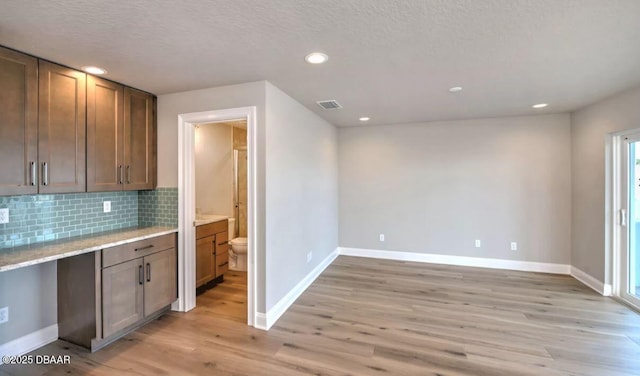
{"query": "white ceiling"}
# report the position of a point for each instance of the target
(391, 60)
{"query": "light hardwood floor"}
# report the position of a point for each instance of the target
(379, 317)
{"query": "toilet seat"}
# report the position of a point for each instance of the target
(238, 241)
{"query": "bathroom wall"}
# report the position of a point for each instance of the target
(437, 187)
(214, 169)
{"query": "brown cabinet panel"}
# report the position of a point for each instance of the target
(18, 123)
(205, 263)
(139, 140)
(122, 296)
(61, 129)
(161, 274)
(212, 228)
(222, 263)
(105, 135)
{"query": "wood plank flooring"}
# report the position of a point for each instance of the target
(379, 317)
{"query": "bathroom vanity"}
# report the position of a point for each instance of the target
(212, 250)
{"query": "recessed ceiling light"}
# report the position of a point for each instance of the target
(94, 70)
(455, 89)
(540, 105)
(316, 58)
(364, 118)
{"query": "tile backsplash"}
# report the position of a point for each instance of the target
(39, 218)
(158, 207)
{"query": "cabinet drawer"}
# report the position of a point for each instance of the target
(222, 263)
(141, 248)
(222, 238)
(211, 228)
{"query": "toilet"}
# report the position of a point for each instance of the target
(238, 250)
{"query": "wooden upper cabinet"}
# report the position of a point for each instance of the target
(61, 129)
(18, 123)
(139, 140)
(105, 135)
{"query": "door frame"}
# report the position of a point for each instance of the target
(187, 204)
(616, 191)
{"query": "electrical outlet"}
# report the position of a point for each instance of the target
(309, 256)
(4, 215)
(4, 315)
(478, 243)
(106, 206)
(514, 246)
(381, 237)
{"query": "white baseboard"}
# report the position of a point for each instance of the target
(261, 321)
(30, 342)
(283, 304)
(587, 279)
(527, 266)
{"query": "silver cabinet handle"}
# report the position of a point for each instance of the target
(34, 173)
(45, 173)
(128, 174)
(120, 174)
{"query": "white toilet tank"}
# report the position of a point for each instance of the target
(232, 228)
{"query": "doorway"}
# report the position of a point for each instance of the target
(627, 267)
(187, 204)
(221, 219)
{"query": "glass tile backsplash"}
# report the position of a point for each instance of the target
(158, 207)
(39, 218)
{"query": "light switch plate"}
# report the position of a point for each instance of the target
(106, 206)
(4, 215)
(381, 237)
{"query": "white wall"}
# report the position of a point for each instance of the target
(589, 128)
(436, 187)
(31, 294)
(214, 169)
(302, 192)
(296, 178)
(219, 98)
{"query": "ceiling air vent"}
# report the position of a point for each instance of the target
(329, 105)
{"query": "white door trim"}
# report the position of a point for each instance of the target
(616, 188)
(186, 203)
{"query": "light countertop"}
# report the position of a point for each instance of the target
(19, 257)
(203, 219)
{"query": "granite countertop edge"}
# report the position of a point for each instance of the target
(23, 256)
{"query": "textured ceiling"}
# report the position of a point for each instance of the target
(390, 60)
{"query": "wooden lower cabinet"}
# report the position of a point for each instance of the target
(161, 273)
(106, 294)
(212, 257)
(122, 296)
(205, 266)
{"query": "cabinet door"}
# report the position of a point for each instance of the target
(61, 129)
(105, 140)
(222, 255)
(139, 140)
(122, 296)
(205, 267)
(18, 123)
(161, 280)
